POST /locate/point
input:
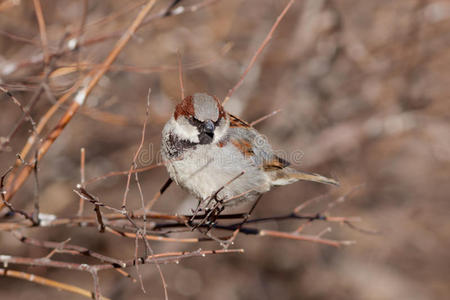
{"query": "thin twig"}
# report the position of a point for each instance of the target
(84, 194)
(69, 248)
(35, 213)
(143, 232)
(263, 118)
(81, 98)
(117, 173)
(25, 111)
(42, 30)
(82, 175)
(258, 52)
(180, 74)
(301, 237)
(44, 120)
(9, 205)
(48, 282)
(141, 144)
(97, 39)
(158, 194)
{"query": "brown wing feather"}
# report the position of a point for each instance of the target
(244, 146)
(236, 122)
(277, 166)
(277, 163)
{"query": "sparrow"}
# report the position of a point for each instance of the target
(218, 157)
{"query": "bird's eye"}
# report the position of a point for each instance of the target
(217, 123)
(194, 121)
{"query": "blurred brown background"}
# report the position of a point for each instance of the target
(364, 90)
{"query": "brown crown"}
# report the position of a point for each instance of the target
(186, 108)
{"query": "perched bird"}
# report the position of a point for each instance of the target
(218, 157)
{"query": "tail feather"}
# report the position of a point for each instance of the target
(288, 176)
(314, 177)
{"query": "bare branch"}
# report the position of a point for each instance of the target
(258, 52)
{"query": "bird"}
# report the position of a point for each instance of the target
(218, 157)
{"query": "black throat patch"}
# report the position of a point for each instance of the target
(205, 138)
(177, 146)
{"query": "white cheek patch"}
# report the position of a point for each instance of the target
(184, 130)
(221, 129)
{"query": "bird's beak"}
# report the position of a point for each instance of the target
(208, 126)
